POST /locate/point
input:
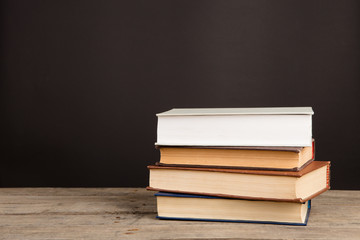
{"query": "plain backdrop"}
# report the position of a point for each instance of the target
(81, 81)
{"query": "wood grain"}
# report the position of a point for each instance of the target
(129, 213)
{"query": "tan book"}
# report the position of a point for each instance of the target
(173, 206)
(287, 186)
(277, 158)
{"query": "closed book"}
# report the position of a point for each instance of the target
(236, 127)
(287, 186)
(204, 208)
(271, 158)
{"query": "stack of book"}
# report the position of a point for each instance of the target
(238, 165)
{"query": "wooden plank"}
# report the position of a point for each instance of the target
(128, 213)
(177, 232)
(72, 191)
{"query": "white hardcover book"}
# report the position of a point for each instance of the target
(235, 127)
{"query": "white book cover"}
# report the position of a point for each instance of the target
(288, 126)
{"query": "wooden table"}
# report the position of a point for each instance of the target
(129, 213)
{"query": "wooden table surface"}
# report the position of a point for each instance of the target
(129, 213)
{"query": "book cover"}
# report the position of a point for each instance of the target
(238, 111)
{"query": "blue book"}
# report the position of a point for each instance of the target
(173, 206)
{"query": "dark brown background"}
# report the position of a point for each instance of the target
(81, 81)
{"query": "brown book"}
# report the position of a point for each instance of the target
(287, 186)
(269, 158)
